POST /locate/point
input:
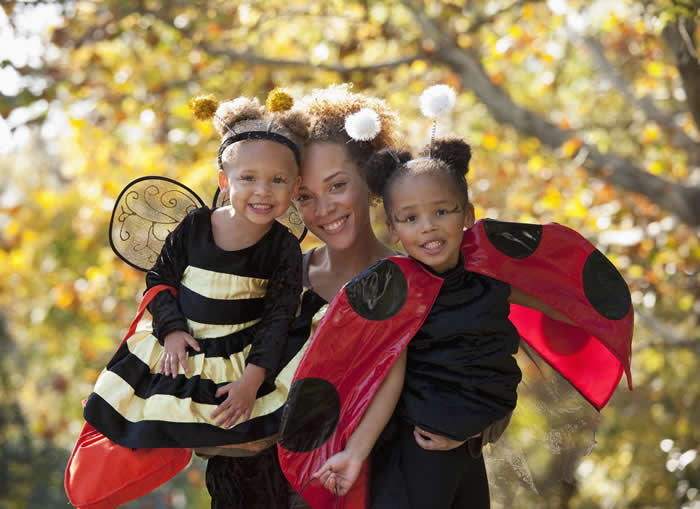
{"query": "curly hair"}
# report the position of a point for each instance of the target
(446, 156)
(232, 112)
(244, 114)
(327, 109)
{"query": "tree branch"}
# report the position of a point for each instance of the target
(644, 103)
(669, 337)
(677, 199)
(279, 62)
(484, 20)
(684, 52)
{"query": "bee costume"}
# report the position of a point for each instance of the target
(238, 304)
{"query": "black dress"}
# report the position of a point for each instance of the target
(460, 377)
(239, 306)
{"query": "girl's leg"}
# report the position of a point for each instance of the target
(473, 491)
(432, 477)
(254, 482)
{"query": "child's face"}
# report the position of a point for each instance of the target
(428, 217)
(261, 177)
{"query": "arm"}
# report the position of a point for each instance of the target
(280, 305)
(342, 469)
(169, 324)
(168, 270)
(517, 296)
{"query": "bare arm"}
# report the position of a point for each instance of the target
(341, 470)
(517, 296)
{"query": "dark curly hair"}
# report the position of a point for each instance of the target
(446, 156)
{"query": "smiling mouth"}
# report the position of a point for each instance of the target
(335, 225)
(261, 207)
(433, 245)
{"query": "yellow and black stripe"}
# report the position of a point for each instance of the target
(222, 300)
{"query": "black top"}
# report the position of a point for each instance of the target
(461, 374)
(276, 257)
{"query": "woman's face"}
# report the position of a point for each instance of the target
(333, 197)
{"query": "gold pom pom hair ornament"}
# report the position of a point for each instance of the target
(279, 100)
(434, 101)
(204, 107)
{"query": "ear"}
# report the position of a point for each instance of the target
(297, 183)
(469, 216)
(223, 182)
(394, 237)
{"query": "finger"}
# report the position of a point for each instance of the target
(161, 369)
(193, 343)
(422, 442)
(222, 407)
(173, 366)
(166, 362)
(220, 391)
(235, 418)
(427, 434)
(182, 357)
(247, 413)
(226, 418)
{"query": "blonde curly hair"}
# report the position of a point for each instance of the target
(327, 110)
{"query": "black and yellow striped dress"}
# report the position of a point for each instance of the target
(239, 305)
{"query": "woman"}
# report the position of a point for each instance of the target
(334, 202)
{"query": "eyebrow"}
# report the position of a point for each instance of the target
(330, 177)
(438, 202)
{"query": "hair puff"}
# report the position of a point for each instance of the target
(329, 107)
(455, 152)
(230, 113)
(382, 165)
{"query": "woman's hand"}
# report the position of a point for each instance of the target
(174, 345)
(432, 442)
(241, 397)
(339, 473)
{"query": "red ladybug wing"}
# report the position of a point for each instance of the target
(363, 332)
(564, 270)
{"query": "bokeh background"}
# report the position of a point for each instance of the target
(583, 112)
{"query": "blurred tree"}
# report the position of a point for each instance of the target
(584, 113)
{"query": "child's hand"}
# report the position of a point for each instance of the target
(174, 345)
(432, 442)
(339, 472)
(241, 397)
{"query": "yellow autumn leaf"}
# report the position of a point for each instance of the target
(655, 69)
(490, 141)
(656, 168)
(535, 164)
(571, 146)
(552, 198)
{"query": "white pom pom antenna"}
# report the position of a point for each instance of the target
(437, 100)
(364, 125)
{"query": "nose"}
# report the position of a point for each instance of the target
(427, 224)
(323, 206)
(262, 188)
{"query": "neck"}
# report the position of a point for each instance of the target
(350, 262)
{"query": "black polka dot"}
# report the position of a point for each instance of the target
(310, 415)
(378, 293)
(517, 240)
(604, 287)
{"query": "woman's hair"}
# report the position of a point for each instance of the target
(328, 108)
(448, 156)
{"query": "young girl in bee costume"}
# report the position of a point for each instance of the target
(207, 371)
